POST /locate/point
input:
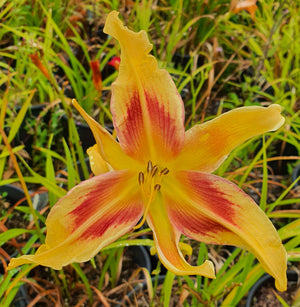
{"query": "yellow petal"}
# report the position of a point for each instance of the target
(213, 210)
(147, 110)
(97, 164)
(92, 215)
(166, 239)
(108, 147)
(207, 145)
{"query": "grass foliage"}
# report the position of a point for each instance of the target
(219, 60)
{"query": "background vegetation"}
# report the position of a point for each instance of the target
(220, 59)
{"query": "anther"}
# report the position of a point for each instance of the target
(157, 187)
(141, 178)
(164, 171)
(149, 166)
(154, 170)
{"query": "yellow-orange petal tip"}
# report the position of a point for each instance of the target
(281, 284)
(209, 268)
(276, 113)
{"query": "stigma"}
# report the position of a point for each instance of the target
(150, 182)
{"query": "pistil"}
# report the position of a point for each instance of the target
(150, 183)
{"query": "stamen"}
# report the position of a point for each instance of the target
(154, 170)
(141, 178)
(157, 187)
(164, 171)
(150, 185)
(149, 166)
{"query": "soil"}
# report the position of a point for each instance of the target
(266, 297)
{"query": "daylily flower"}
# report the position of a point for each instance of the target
(248, 5)
(159, 173)
(115, 62)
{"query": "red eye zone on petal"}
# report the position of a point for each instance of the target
(220, 205)
(111, 220)
(131, 128)
(193, 222)
(92, 202)
(165, 126)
